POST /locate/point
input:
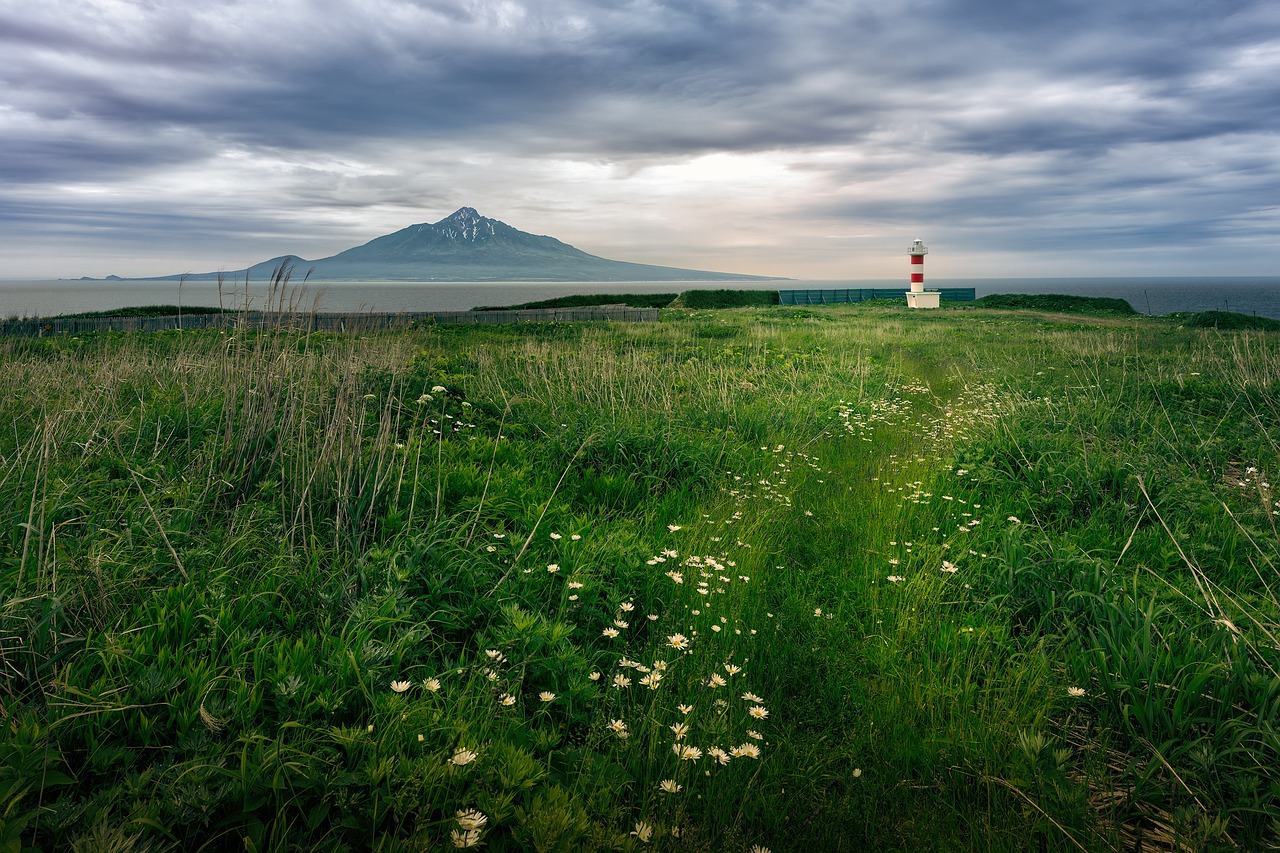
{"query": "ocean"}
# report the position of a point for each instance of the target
(1154, 295)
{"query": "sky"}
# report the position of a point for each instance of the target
(811, 139)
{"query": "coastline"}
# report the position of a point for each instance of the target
(1148, 295)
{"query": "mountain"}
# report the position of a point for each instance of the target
(469, 247)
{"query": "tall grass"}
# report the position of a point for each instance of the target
(845, 578)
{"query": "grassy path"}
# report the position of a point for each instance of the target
(834, 579)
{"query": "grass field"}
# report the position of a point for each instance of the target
(822, 578)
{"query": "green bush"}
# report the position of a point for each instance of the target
(728, 298)
(1225, 320)
(584, 300)
(1057, 302)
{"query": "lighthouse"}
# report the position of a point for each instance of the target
(917, 296)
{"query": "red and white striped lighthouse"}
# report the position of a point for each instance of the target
(916, 296)
(917, 251)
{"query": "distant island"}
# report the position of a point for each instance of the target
(464, 246)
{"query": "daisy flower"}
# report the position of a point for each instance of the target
(463, 757)
(463, 839)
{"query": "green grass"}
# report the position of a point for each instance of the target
(578, 300)
(999, 582)
(1056, 302)
(703, 299)
(143, 311)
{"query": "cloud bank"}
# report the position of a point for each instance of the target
(809, 138)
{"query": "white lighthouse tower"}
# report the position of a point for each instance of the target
(917, 296)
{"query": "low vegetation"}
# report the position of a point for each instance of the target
(1224, 320)
(140, 311)
(582, 300)
(822, 578)
(705, 299)
(1057, 302)
(151, 311)
(699, 299)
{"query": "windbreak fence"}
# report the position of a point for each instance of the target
(327, 322)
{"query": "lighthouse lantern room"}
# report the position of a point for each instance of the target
(917, 296)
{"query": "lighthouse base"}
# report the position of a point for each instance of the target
(924, 299)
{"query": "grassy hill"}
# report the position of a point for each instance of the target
(839, 578)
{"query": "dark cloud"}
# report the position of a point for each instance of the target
(1023, 109)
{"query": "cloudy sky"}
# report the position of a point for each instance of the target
(804, 138)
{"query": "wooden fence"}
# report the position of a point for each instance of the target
(327, 322)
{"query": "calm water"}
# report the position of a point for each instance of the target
(1250, 295)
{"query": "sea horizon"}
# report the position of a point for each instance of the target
(1155, 295)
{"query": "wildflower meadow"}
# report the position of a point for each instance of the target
(760, 579)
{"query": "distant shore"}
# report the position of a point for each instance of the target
(1152, 295)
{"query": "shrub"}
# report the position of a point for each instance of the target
(582, 300)
(1225, 320)
(728, 298)
(1056, 302)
